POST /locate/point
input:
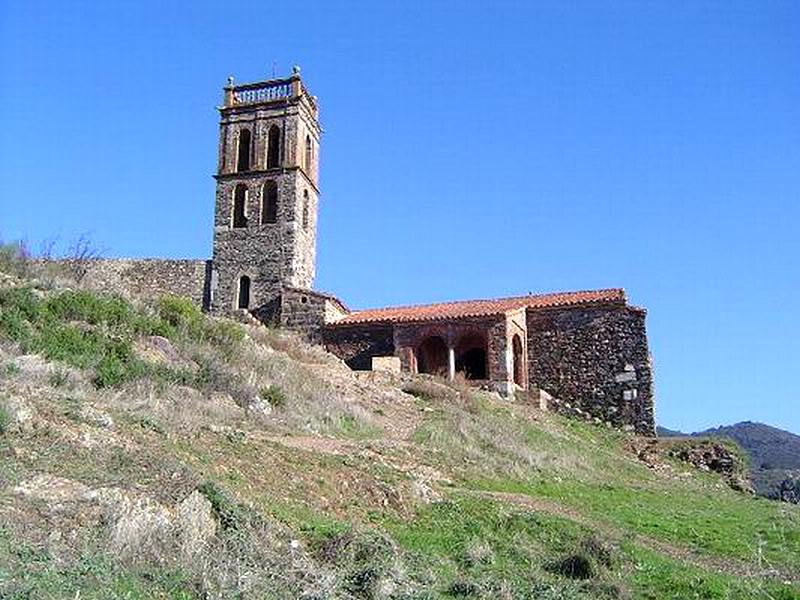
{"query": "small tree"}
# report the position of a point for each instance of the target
(80, 255)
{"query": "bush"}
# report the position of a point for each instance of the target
(463, 588)
(91, 308)
(118, 365)
(363, 557)
(181, 313)
(427, 389)
(229, 513)
(15, 259)
(274, 396)
(187, 319)
(58, 378)
(5, 419)
(574, 566)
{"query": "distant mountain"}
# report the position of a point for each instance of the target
(664, 432)
(774, 453)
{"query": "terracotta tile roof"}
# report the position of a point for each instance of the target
(479, 308)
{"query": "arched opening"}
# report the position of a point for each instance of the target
(239, 206)
(269, 203)
(243, 153)
(305, 209)
(519, 366)
(432, 356)
(274, 147)
(309, 154)
(471, 357)
(244, 292)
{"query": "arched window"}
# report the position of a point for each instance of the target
(243, 295)
(239, 206)
(243, 154)
(305, 209)
(274, 147)
(269, 203)
(309, 154)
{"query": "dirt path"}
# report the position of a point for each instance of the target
(726, 566)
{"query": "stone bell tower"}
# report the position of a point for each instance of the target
(265, 222)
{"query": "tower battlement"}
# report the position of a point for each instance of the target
(267, 92)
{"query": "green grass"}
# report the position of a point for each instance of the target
(479, 544)
(655, 577)
(273, 395)
(5, 418)
(96, 332)
(350, 426)
(713, 521)
(27, 571)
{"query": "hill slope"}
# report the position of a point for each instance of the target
(153, 452)
(774, 453)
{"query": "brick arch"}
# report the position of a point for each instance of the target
(471, 350)
(431, 355)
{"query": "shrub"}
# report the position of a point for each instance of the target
(574, 566)
(15, 258)
(21, 300)
(5, 419)
(463, 589)
(427, 389)
(231, 514)
(58, 378)
(184, 316)
(181, 313)
(118, 365)
(90, 308)
(14, 326)
(363, 558)
(273, 395)
(71, 344)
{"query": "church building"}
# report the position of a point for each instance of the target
(587, 350)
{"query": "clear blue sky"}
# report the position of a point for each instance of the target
(470, 150)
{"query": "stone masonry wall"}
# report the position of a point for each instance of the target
(305, 311)
(357, 344)
(272, 255)
(150, 277)
(596, 359)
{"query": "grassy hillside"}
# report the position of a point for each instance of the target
(149, 451)
(774, 454)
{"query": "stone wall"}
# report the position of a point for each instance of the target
(272, 255)
(357, 344)
(304, 311)
(596, 359)
(150, 277)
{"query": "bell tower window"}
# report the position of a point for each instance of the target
(305, 209)
(243, 294)
(269, 203)
(244, 150)
(274, 147)
(239, 206)
(309, 154)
